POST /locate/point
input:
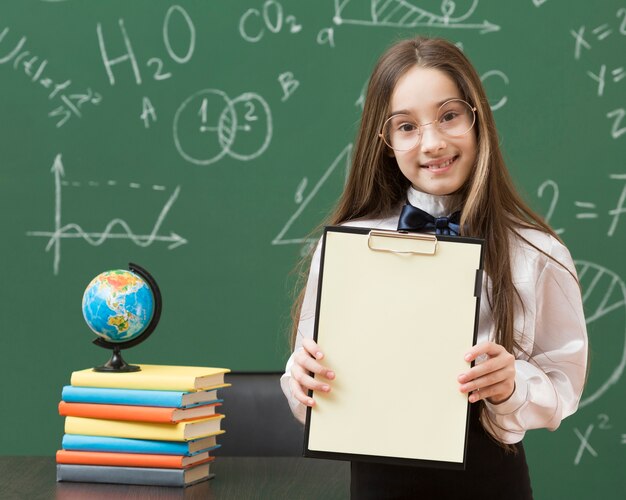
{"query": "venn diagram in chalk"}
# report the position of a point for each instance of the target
(209, 125)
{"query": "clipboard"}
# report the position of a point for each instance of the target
(396, 313)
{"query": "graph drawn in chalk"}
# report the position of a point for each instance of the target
(72, 230)
(407, 14)
(604, 299)
(341, 165)
(209, 125)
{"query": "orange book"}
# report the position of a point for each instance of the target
(136, 413)
(131, 459)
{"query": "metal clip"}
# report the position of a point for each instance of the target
(401, 242)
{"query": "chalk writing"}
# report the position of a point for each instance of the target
(343, 159)
(110, 62)
(584, 439)
(158, 69)
(613, 73)
(190, 28)
(360, 102)
(298, 197)
(604, 422)
(147, 112)
(555, 198)
(326, 36)
(270, 17)
(128, 56)
(586, 205)
(617, 115)
(405, 14)
(622, 27)
(600, 33)
(288, 83)
(222, 122)
(620, 208)
(604, 294)
(72, 230)
(71, 103)
(110, 183)
(584, 444)
(502, 76)
(586, 210)
(617, 75)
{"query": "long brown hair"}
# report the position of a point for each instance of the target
(492, 208)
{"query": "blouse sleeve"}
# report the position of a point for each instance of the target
(549, 382)
(305, 329)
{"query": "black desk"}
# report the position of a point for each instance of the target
(236, 478)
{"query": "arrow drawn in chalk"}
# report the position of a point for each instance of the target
(73, 230)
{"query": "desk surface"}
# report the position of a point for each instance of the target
(236, 478)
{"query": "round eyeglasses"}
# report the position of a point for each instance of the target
(454, 119)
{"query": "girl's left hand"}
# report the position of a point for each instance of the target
(494, 378)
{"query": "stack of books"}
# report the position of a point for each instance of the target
(156, 426)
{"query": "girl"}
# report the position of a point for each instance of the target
(427, 143)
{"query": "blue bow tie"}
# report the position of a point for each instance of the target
(416, 220)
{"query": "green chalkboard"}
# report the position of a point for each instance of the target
(205, 140)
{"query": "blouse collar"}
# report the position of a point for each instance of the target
(437, 206)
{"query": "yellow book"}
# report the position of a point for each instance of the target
(182, 431)
(154, 377)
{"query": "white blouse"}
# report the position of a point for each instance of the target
(551, 331)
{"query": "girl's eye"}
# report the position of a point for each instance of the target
(407, 127)
(448, 116)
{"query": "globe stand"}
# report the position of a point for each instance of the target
(116, 364)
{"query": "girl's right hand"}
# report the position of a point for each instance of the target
(306, 360)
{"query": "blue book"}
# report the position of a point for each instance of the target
(133, 475)
(79, 442)
(136, 397)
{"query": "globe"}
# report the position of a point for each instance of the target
(118, 305)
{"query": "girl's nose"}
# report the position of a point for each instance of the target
(432, 139)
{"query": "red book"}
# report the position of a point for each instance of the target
(132, 459)
(136, 413)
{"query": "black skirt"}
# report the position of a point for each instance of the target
(490, 473)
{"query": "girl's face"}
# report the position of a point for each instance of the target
(439, 164)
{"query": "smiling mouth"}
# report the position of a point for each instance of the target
(440, 166)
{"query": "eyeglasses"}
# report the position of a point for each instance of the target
(455, 118)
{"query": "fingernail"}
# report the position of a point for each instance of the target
(319, 355)
(326, 388)
(468, 357)
(330, 374)
(311, 402)
(461, 377)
